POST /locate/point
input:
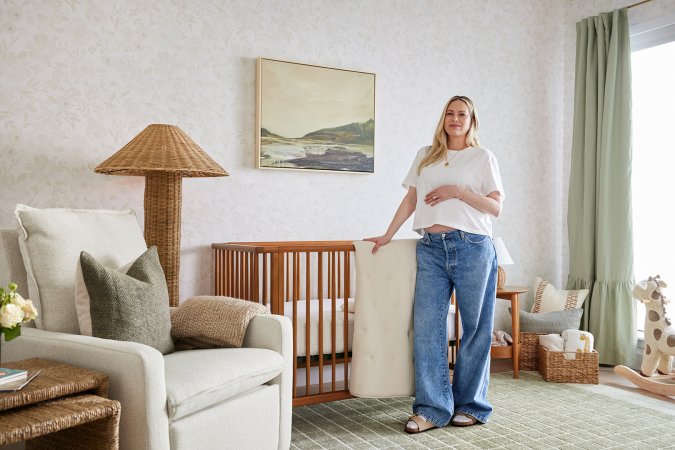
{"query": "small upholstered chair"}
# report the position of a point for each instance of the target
(197, 399)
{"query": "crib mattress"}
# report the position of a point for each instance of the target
(326, 313)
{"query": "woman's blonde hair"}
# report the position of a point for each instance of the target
(436, 152)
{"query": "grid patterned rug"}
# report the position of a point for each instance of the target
(529, 413)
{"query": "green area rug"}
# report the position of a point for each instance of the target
(529, 413)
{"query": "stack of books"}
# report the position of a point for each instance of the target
(14, 379)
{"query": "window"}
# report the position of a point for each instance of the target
(653, 176)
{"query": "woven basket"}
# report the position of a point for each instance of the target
(529, 351)
(554, 367)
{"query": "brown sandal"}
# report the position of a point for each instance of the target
(418, 424)
(463, 420)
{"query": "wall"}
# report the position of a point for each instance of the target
(79, 79)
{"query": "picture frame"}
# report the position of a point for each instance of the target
(314, 118)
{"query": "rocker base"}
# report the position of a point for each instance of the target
(652, 384)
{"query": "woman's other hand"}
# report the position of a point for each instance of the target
(379, 242)
(445, 192)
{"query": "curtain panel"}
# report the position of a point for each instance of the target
(599, 208)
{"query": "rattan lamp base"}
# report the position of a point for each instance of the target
(162, 206)
(501, 277)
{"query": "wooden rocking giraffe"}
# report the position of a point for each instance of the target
(659, 341)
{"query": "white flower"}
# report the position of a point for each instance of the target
(26, 306)
(11, 315)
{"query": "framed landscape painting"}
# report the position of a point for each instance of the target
(315, 118)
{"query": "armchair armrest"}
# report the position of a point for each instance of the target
(135, 372)
(275, 332)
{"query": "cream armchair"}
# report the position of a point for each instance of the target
(236, 398)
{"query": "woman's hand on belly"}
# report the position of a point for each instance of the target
(445, 192)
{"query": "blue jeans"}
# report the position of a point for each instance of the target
(467, 263)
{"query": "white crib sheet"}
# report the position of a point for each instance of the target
(327, 322)
(300, 343)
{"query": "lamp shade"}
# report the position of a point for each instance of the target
(164, 154)
(161, 148)
(503, 257)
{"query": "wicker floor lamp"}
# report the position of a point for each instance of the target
(164, 154)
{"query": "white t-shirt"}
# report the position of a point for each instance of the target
(475, 168)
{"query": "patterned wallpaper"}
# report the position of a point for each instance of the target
(80, 78)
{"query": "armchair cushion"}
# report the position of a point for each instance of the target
(198, 321)
(132, 306)
(197, 379)
(51, 241)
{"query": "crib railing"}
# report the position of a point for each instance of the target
(299, 279)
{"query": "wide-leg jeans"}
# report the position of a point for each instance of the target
(466, 263)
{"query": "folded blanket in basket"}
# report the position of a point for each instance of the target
(577, 341)
(570, 343)
(552, 342)
(212, 321)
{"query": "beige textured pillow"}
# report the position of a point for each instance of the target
(547, 298)
(212, 321)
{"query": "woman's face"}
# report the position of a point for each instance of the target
(457, 119)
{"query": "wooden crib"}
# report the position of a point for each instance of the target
(311, 283)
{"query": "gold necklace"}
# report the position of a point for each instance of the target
(447, 161)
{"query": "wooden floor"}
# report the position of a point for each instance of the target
(608, 379)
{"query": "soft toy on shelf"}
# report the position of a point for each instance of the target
(659, 341)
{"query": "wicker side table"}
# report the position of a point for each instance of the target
(63, 407)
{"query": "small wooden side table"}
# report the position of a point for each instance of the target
(511, 293)
(63, 407)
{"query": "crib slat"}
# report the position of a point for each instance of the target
(308, 271)
(333, 317)
(345, 300)
(295, 328)
(287, 271)
(320, 295)
(308, 341)
(256, 283)
(219, 271)
(232, 273)
(296, 276)
(242, 275)
(308, 275)
(226, 271)
(229, 291)
(265, 274)
(274, 285)
(249, 277)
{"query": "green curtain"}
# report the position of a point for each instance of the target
(599, 210)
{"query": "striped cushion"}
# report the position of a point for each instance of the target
(547, 298)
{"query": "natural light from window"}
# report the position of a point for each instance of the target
(654, 168)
